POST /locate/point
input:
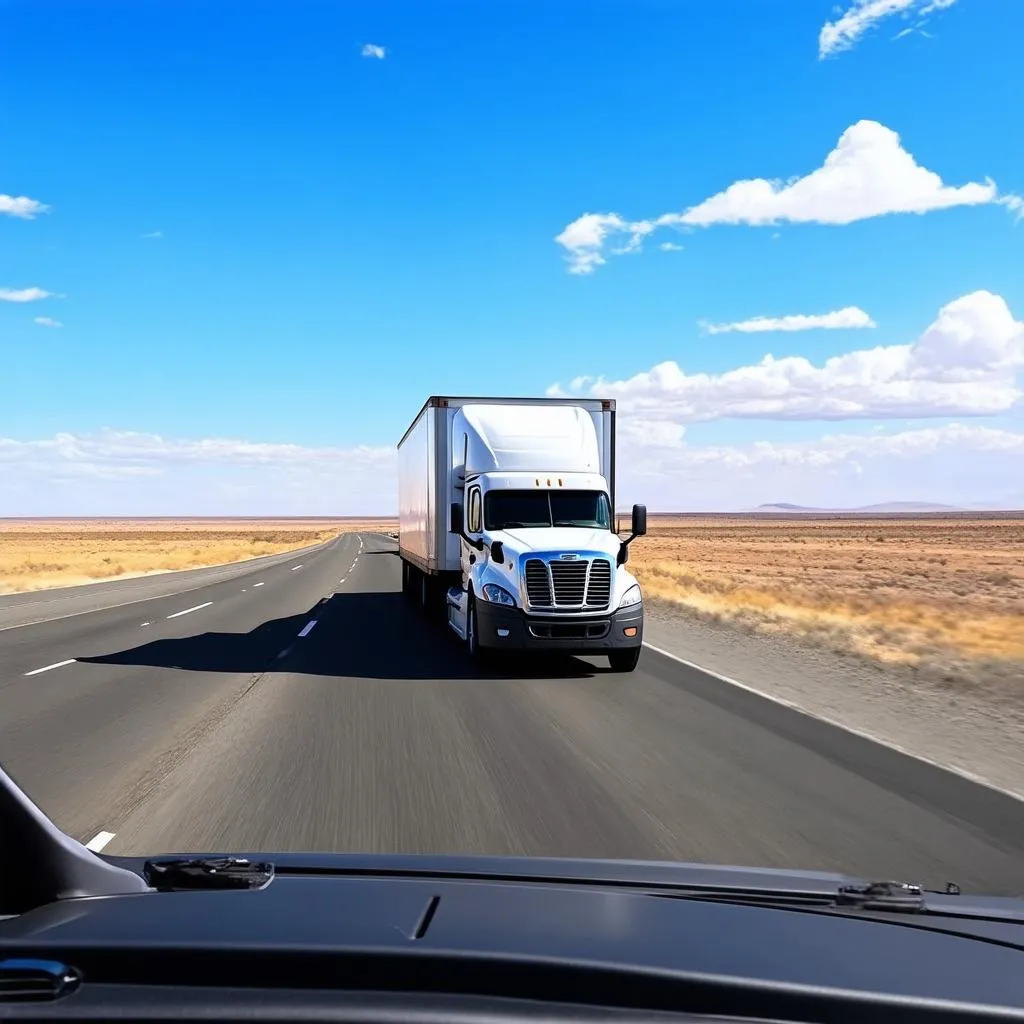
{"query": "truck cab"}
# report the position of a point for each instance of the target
(541, 567)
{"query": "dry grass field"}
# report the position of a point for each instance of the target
(944, 594)
(941, 593)
(40, 553)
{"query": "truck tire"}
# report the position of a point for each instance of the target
(624, 660)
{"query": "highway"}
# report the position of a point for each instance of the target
(202, 711)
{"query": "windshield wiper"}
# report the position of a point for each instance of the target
(207, 873)
(900, 896)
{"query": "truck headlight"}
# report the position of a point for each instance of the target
(497, 595)
(631, 596)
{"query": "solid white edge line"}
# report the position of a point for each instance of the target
(99, 840)
(307, 627)
(46, 668)
(196, 608)
(862, 733)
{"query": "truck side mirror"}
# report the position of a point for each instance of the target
(639, 520)
(455, 519)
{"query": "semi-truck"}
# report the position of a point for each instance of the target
(507, 527)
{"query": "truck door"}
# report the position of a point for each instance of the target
(474, 528)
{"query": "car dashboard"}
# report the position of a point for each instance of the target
(383, 947)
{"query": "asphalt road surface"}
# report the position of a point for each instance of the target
(202, 712)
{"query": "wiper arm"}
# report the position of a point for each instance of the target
(208, 873)
(899, 896)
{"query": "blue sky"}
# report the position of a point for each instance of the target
(340, 235)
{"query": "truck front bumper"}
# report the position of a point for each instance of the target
(512, 629)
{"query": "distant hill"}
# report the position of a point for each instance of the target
(905, 507)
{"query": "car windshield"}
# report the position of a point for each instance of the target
(506, 510)
(549, 428)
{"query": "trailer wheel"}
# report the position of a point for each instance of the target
(624, 660)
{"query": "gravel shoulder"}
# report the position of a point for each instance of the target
(973, 727)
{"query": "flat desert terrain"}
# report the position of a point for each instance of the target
(40, 553)
(938, 594)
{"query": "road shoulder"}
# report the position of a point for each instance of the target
(972, 730)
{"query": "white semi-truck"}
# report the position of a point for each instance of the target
(507, 526)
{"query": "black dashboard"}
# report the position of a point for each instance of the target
(315, 946)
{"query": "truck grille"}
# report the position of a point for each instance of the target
(538, 584)
(569, 584)
(599, 590)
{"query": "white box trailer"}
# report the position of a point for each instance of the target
(431, 461)
(507, 525)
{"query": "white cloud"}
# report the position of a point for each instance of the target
(868, 174)
(584, 238)
(847, 30)
(152, 234)
(1015, 204)
(670, 247)
(850, 317)
(964, 364)
(374, 51)
(47, 321)
(21, 206)
(24, 294)
(953, 464)
(145, 474)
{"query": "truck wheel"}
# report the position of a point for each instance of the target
(624, 660)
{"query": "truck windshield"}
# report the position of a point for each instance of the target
(506, 510)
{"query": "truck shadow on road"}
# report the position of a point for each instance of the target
(375, 635)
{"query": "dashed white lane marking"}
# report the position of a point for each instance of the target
(195, 608)
(99, 840)
(46, 668)
(285, 652)
(343, 578)
(142, 600)
(147, 624)
(307, 627)
(862, 733)
(258, 585)
(295, 568)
